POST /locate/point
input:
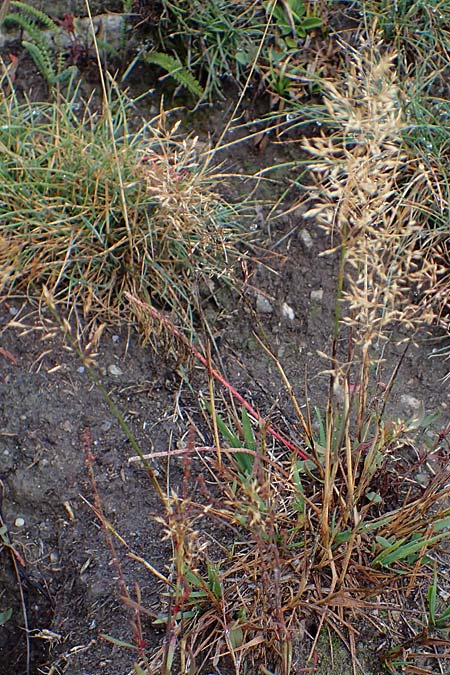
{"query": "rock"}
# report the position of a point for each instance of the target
(306, 238)
(410, 401)
(114, 370)
(111, 27)
(263, 305)
(19, 522)
(54, 557)
(317, 296)
(287, 312)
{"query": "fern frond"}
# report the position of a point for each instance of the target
(34, 14)
(20, 21)
(176, 70)
(42, 59)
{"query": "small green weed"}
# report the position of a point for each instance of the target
(291, 19)
(437, 619)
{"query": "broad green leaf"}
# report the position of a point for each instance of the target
(400, 551)
(441, 524)
(374, 497)
(236, 636)
(192, 578)
(342, 537)
(231, 438)
(310, 22)
(387, 543)
(180, 615)
(214, 580)
(322, 431)
(431, 597)
(297, 8)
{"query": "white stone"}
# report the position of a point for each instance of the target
(410, 401)
(114, 370)
(317, 296)
(19, 522)
(288, 312)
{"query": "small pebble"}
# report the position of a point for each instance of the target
(317, 296)
(114, 370)
(288, 312)
(263, 306)
(19, 522)
(81, 369)
(306, 238)
(115, 339)
(410, 401)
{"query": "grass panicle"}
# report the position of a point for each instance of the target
(362, 197)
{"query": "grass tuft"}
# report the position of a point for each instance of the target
(91, 209)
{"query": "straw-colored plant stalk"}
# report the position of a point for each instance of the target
(361, 196)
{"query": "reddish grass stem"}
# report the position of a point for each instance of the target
(215, 373)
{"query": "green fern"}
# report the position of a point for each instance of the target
(35, 15)
(42, 59)
(175, 70)
(34, 22)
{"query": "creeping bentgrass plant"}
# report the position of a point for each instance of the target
(270, 546)
(91, 208)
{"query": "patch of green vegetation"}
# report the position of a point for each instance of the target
(218, 39)
(34, 23)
